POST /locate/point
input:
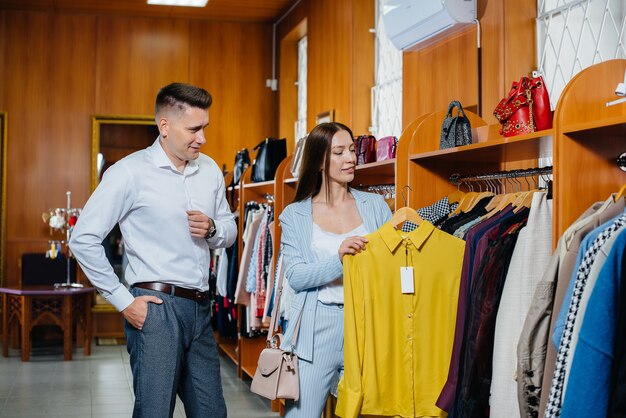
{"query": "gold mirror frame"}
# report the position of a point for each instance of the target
(3, 183)
(96, 126)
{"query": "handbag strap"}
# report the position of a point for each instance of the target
(276, 311)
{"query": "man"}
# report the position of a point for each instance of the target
(171, 207)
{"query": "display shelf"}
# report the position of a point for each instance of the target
(259, 185)
(250, 350)
(291, 180)
(230, 348)
(378, 172)
(614, 126)
(521, 147)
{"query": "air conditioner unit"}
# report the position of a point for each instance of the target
(409, 23)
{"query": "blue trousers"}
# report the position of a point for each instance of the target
(319, 376)
(175, 353)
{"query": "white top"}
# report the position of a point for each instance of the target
(325, 245)
(149, 198)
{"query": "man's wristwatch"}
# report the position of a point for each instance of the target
(212, 230)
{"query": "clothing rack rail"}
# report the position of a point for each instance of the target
(457, 178)
(497, 181)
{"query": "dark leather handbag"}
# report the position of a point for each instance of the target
(386, 148)
(242, 161)
(269, 154)
(365, 149)
(526, 108)
(456, 130)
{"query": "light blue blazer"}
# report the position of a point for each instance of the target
(304, 273)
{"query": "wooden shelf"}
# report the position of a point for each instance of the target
(249, 370)
(378, 172)
(259, 184)
(291, 180)
(615, 126)
(517, 148)
(229, 347)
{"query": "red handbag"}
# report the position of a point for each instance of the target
(526, 109)
(386, 148)
(365, 149)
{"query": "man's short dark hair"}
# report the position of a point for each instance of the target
(177, 95)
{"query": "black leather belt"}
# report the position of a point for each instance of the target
(170, 289)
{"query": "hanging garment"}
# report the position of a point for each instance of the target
(447, 396)
(617, 396)
(609, 210)
(475, 368)
(533, 341)
(589, 378)
(254, 219)
(569, 312)
(436, 211)
(397, 346)
(530, 259)
(222, 271)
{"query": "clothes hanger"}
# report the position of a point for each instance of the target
(621, 193)
(456, 195)
(405, 214)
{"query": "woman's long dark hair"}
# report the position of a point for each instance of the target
(316, 153)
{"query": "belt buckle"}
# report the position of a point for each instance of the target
(201, 297)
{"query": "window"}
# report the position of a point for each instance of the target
(300, 128)
(575, 34)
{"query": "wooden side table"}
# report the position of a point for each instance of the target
(29, 307)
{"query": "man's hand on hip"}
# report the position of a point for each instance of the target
(136, 312)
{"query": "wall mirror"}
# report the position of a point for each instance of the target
(3, 191)
(113, 138)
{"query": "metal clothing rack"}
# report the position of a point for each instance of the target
(497, 181)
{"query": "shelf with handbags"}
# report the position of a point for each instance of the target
(429, 167)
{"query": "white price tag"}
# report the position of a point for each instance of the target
(406, 279)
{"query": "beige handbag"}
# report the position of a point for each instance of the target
(276, 375)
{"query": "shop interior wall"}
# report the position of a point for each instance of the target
(58, 70)
(340, 69)
(341, 62)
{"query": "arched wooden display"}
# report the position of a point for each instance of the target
(402, 158)
(589, 138)
(429, 167)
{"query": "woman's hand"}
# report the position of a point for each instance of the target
(352, 245)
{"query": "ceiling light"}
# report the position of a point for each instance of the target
(187, 3)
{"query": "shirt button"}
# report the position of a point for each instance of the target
(408, 316)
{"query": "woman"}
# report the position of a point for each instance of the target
(327, 220)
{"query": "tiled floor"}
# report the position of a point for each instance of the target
(96, 386)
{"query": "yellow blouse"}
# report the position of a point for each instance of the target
(397, 347)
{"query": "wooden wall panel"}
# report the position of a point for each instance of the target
(3, 37)
(434, 76)
(50, 98)
(330, 59)
(136, 57)
(232, 61)
(288, 92)
(363, 64)
(58, 70)
(493, 56)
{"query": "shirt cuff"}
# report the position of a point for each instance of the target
(349, 403)
(120, 298)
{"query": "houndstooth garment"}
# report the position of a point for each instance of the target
(555, 400)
